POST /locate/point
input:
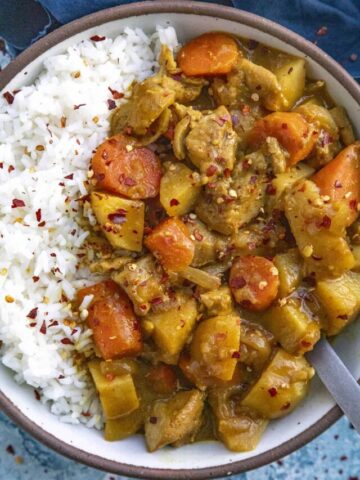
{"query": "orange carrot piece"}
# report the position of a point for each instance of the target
(170, 242)
(121, 167)
(254, 282)
(111, 317)
(340, 178)
(210, 54)
(162, 378)
(291, 130)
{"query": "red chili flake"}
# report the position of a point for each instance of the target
(353, 57)
(130, 182)
(246, 164)
(43, 328)
(37, 395)
(322, 31)
(52, 254)
(326, 222)
(8, 97)
(86, 414)
(153, 420)
(97, 38)
(273, 391)
(227, 172)
(221, 120)
(245, 110)
(10, 449)
(235, 355)
(253, 179)
(343, 317)
(70, 176)
(61, 184)
(16, 203)
(143, 307)
(111, 104)
(284, 126)
(337, 184)
(35, 279)
(211, 185)
(54, 323)
(76, 107)
(117, 95)
(66, 341)
(316, 258)
(174, 202)
(286, 406)
(343, 458)
(237, 282)
(353, 205)
(270, 189)
(1, 165)
(73, 331)
(33, 324)
(290, 70)
(32, 314)
(118, 217)
(211, 170)
(38, 215)
(11, 168)
(42, 224)
(305, 344)
(198, 236)
(156, 301)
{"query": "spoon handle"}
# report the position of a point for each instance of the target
(337, 379)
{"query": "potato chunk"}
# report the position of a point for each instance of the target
(117, 393)
(281, 386)
(175, 420)
(289, 265)
(318, 228)
(214, 343)
(218, 302)
(172, 327)
(296, 332)
(179, 189)
(291, 78)
(121, 220)
(123, 427)
(340, 298)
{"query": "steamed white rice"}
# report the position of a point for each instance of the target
(43, 165)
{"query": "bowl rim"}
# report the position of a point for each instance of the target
(206, 9)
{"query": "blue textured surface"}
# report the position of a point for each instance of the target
(333, 455)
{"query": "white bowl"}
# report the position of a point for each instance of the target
(205, 459)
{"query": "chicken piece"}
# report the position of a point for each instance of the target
(175, 420)
(231, 202)
(109, 264)
(143, 282)
(211, 144)
(208, 245)
(279, 156)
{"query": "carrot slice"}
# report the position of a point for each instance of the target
(162, 378)
(210, 54)
(121, 167)
(254, 282)
(170, 242)
(116, 329)
(291, 130)
(340, 178)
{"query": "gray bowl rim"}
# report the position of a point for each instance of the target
(206, 9)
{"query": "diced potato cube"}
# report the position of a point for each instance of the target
(121, 220)
(179, 189)
(289, 265)
(296, 332)
(241, 433)
(214, 343)
(117, 393)
(218, 302)
(119, 428)
(291, 77)
(282, 385)
(172, 327)
(340, 298)
(319, 230)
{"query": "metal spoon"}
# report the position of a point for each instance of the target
(337, 379)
